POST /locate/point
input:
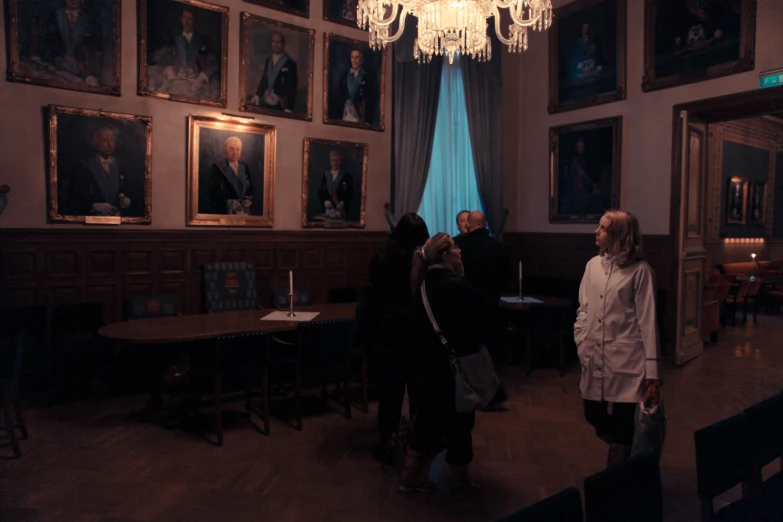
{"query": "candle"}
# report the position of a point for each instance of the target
(290, 282)
(520, 270)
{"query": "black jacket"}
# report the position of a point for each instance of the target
(390, 276)
(486, 263)
(461, 311)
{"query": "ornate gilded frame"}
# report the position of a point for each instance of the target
(16, 74)
(337, 20)
(54, 176)
(247, 18)
(305, 179)
(764, 194)
(195, 124)
(271, 4)
(618, 93)
(616, 124)
(746, 61)
(328, 37)
(142, 56)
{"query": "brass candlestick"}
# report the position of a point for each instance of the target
(291, 305)
(520, 289)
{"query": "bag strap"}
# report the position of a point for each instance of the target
(432, 317)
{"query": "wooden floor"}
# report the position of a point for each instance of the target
(89, 462)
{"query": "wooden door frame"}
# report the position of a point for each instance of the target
(712, 110)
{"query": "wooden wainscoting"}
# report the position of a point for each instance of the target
(53, 266)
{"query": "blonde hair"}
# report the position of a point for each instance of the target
(624, 237)
(429, 254)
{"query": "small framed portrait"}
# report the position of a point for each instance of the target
(737, 201)
(587, 44)
(354, 83)
(100, 167)
(67, 44)
(276, 73)
(688, 41)
(757, 206)
(334, 184)
(584, 170)
(341, 12)
(231, 173)
(294, 7)
(183, 51)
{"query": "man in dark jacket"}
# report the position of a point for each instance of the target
(462, 226)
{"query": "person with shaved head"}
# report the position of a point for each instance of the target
(487, 265)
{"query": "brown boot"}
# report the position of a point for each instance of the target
(617, 454)
(413, 478)
(461, 485)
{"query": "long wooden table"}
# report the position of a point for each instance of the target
(202, 327)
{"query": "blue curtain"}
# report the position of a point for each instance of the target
(451, 182)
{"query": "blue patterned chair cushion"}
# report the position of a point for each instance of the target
(301, 297)
(230, 286)
(149, 306)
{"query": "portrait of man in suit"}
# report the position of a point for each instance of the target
(356, 89)
(74, 43)
(184, 50)
(228, 188)
(336, 190)
(280, 79)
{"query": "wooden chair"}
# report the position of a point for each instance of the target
(735, 298)
(10, 377)
(565, 506)
(721, 294)
(723, 462)
(710, 313)
(230, 286)
(80, 356)
(628, 491)
(238, 363)
(766, 445)
(151, 306)
(752, 297)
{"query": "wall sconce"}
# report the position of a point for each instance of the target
(743, 240)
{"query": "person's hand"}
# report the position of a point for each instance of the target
(102, 209)
(124, 201)
(718, 34)
(255, 100)
(327, 204)
(169, 73)
(199, 82)
(653, 394)
(92, 81)
(288, 111)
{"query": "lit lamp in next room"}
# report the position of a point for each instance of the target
(752, 266)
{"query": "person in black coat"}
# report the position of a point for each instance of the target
(462, 226)
(390, 273)
(462, 312)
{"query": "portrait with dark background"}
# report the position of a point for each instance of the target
(257, 49)
(317, 159)
(587, 51)
(341, 12)
(167, 71)
(211, 150)
(338, 64)
(587, 170)
(38, 49)
(692, 35)
(75, 149)
(296, 7)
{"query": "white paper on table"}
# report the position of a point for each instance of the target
(525, 299)
(281, 315)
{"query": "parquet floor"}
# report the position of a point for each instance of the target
(89, 462)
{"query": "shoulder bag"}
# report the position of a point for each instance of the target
(475, 380)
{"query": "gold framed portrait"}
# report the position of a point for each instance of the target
(231, 172)
(334, 184)
(280, 80)
(100, 167)
(183, 51)
(66, 47)
(354, 83)
(737, 201)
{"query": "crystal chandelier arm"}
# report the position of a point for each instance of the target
(400, 29)
(385, 22)
(542, 14)
(503, 40)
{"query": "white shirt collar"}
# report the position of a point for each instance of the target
(187, 36)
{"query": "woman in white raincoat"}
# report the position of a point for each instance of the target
(616, 333)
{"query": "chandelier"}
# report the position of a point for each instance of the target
(453, 27)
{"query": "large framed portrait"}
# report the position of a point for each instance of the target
(334, 184)
(757, 204)
(584, 170)
(342, 12)
(231, 173)
(100, 166)
(688, 41)
(294, 7)
(737, 201)
(67, 44)
(354, 83)
(276, 73)
(183, 51)
(587, 44)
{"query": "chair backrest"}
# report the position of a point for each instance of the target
(302, 297)
(630, 490)
(718, 279)
(149, 306)
(240, 359)
(11, 357)
(565, 506)
(755, 286)
(324, 344)
(744, 288)
(722, 456)
(766, 430)
(722, 291)
(230, 286)
(30, 319)
(348, 294)
(77, 320)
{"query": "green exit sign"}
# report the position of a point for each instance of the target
(771, 78)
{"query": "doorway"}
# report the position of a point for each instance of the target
(699, 220)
